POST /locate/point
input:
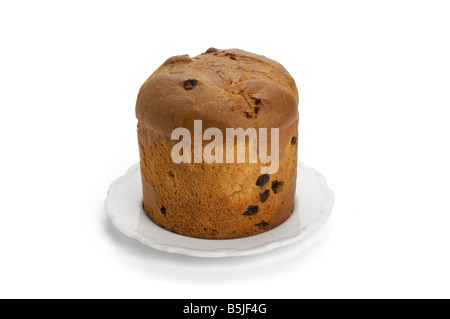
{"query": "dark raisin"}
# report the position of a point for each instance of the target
(190, 84)
(293, 140)
(256, 110)
(251, 210)
(231, 56)
(258, 101)
(262, 180)
(262, 225)
(211, 50)
(276, 186)
(247, 115)
(263, 196)
(163, 210)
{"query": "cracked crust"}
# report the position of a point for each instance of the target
(233, 87)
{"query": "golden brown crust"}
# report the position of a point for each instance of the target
(234, 86)
(223, 88)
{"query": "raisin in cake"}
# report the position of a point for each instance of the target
(223, 89)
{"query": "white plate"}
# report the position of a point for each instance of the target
(313, 204)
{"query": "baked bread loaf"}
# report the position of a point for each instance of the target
(223, 89)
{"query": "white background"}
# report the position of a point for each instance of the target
(374, 83)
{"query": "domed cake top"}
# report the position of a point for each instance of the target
(223, 88)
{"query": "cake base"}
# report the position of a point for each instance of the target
(313, 204)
